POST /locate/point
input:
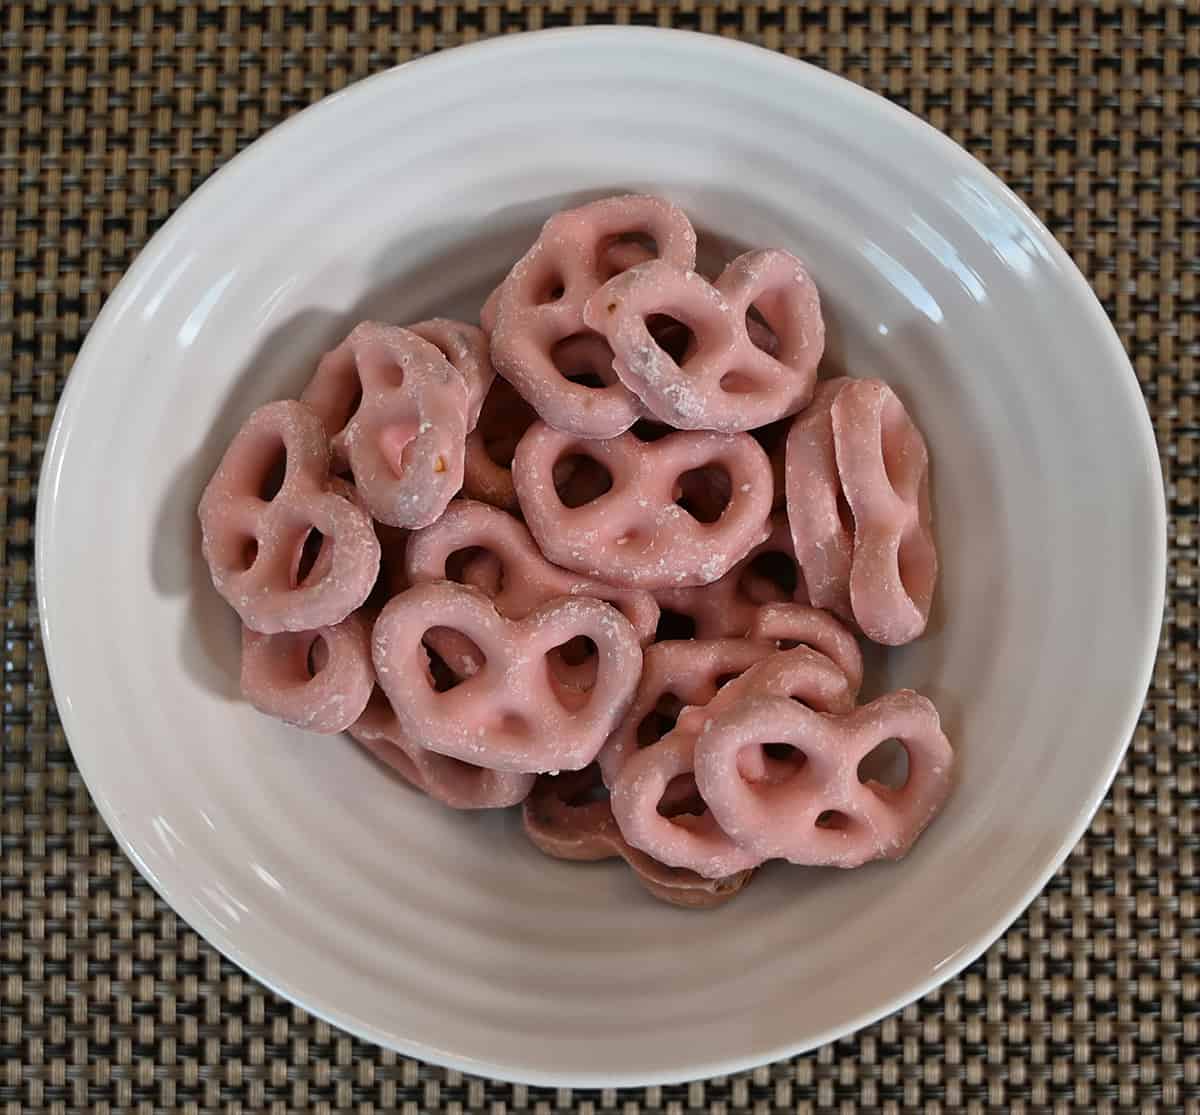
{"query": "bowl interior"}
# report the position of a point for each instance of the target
(445, 934)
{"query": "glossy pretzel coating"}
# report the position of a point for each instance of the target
(675, 674)
(254, 536)
(563, 821)
(822, 813)
(540, 305)
(729, 607)
(725, 381)
(487, 463)
(884, 470)
(511, 715)
(450, 781)
(635, 534)
(466, 347)
(317, 680)
(700, 843)
(396, 411)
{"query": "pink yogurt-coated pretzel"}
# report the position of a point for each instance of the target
(520, 579)
(254, 537)
(700, 843)
(675, 674)
(884, 470)
(540, 305)
(487, 464)
(564, 820)
(822, 813)
(726, 382)
(396, 411)
(511, 715)
(466, 347)
(821, 522)
(511, 571)
(635, 534)
(788, 625)
(317, 680)
(729, 607)
(450, 781)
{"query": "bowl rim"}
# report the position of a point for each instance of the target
(1143, 453)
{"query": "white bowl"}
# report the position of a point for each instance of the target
(445, 935)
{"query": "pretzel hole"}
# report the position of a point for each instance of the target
(681, 798)
(249, 553)
(572, 666)
(273, 475)
(394, 439)
(674, 625)
(579, 479)
(576, 651)
(550, 289)
(769, 578)
(913, 566)
(476, 566)
(647, 430)
(738, 383)
(514, 724)
(773, 763)
(306, 557)
(659, 720)
(833, 819)
(585, 360)
(673, 336)
(762, 336)
(318, 656)
(451, 658)
(886, 764)
(704, 492)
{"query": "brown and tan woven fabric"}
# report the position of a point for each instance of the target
(112, 113)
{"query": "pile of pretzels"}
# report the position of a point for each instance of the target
(607, 557)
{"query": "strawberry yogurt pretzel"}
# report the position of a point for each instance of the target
(729, 607)
(255, 527)
(510, 569)
(397, 413)
(520, 579)
(540, 305)
(700, 843)
(884, 470)
(789, 625)
(450, 781)
(487, 463)
(563, 820)
(824, 814)
(466, 347)
(821, 521)
(725, 382)
(636, 534)
(511, 715)
(675, 674)
(318, 680)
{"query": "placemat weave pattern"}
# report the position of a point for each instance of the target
(112, 113)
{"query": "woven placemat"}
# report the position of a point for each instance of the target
(113, 113)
